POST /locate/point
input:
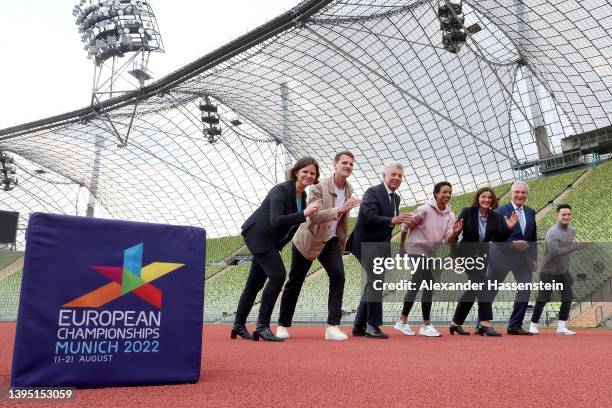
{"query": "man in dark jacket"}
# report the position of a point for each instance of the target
(518, 254)
(378, 215)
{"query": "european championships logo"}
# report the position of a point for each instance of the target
(131, 278)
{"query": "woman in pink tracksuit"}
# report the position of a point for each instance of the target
(430, 225)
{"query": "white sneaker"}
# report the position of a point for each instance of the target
(533, 328)
(429, 331)
(334, 333)
(564, 331)
(404, 328)
(282, 333)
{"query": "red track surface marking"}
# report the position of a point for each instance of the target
(307, 371)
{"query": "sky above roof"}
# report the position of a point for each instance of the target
(45, 70)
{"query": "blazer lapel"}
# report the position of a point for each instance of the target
(292, 197)
(303, 201)
(490, 226)
(331, 197)
(348, 192)
(528, 222)
(396, 200)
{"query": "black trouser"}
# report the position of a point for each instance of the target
(421, 274)
(331, 259)
(522, 274)
(370, 309)
(267, 265)
(545, 295)
(467, 299)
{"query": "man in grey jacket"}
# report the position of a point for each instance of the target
(555, 266)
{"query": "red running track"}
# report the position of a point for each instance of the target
(307, 371)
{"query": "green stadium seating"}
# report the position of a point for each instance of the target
(546, 189)
(10, 287)
(217, 249)
(223, 291)
(8, 257)
(591, 202)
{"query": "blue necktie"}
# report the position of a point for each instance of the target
(521, 217)
(392, 197)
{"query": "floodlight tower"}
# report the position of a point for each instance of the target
(119, 37)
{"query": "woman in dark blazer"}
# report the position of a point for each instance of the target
(481, 225)
(265, 233)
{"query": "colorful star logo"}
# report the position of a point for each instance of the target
(132, 278)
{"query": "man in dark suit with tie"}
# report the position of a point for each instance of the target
(518, 254)
(378, 215)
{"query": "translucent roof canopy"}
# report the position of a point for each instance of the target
(368, 76)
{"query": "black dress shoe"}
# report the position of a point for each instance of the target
(266, 334)
(241, 330)
(374, 332)
(486, 331)
(518, 331)
(459, 330)
(358, 332)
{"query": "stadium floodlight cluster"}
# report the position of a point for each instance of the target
(370, 76)
(452, 26)
(7, 171)
(210, 120)
(114, 27)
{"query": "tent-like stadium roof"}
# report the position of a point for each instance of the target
(368, 76)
